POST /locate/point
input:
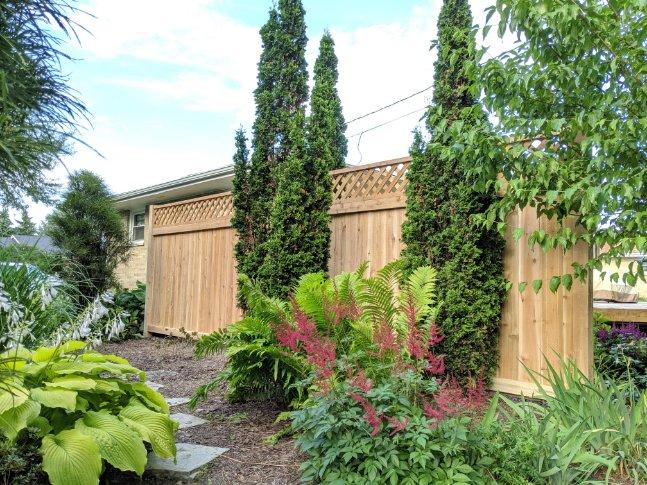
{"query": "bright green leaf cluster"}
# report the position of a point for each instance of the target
(87, 408)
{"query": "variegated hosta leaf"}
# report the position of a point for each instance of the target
(118, 444)
(17, 418)
(71, 458)
(156, 428)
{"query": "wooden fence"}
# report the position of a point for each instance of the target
(191, 277)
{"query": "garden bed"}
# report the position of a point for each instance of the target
(241, 427)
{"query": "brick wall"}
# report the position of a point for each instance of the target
(134, 270)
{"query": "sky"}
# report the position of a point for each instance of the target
(168, 82)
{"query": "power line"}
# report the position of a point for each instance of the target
(389, 105)
(360, 133)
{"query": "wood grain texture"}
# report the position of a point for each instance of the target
(191, 273)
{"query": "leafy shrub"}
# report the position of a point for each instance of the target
(587, 426)
(132, 305)
(621, 353)
(278, 343)
(87, 408)
(39, 309)
(257, 366)
(20, 460)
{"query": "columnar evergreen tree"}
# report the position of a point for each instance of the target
(326, 149)
(326, 125)
(89, 231)
(441, 203)
(280, 96)
(26, 226)
(294, 244)
(6, 228)
(242, 218)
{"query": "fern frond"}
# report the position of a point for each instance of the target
(312, 293)
(210, 344)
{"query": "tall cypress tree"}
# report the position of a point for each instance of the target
(280, 95)
(326, 125)
(290, 246)
(440, 229)
(264, 134)
(242, 220)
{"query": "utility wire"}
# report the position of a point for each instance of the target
(360, 133)
(389, 105)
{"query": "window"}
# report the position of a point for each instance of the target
(137, 227)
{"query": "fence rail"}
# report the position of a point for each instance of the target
(191, 272)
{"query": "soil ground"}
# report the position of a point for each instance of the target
(241, 427)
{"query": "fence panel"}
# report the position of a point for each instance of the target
(192, 278)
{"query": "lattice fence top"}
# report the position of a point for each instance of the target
(194, 211)
(370, 182)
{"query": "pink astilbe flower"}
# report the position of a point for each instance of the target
(360, 381)
(436, 364)
(306, 328)
(370, 413)
(451, 400)
(385, 339)
(432, 412)
(396, 424)
(477, 395)
(337, 309)
(435, 336)
(321, 354)
(287, 336)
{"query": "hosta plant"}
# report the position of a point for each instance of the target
(89, 408)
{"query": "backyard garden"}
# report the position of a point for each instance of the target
(372, 375)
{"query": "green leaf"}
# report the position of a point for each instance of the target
(567, 281)
(156, 428)
(118, 444)
(16, 419)
(71, 458)
(518, 232)
(554, 283)
(522, 286)
(150, 395)
(536, 285)
(53, 397)
(75, 383)
(12, 394)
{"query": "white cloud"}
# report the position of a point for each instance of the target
(212, 60)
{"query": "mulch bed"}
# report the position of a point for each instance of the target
(241, 427)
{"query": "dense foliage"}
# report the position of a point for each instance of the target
(281, 93)
(300, 238)
(241, 220)
(440, 227)
(6, 228)
(571, 96)
(37, 308)
(621, 353)
(38, 110)
(20, 460)
(26, 226)
(327, 142)
(86, 407)
(90, 233)
(131, 304)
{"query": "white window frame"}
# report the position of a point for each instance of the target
(133, 213)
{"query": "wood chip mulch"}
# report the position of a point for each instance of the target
(241, 427)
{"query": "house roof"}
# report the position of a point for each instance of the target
(194, 185)
(44, 243)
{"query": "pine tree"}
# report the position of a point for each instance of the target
(242, 220)
(89, 231)
(6, 228)
(326, 126)
(26, 226)
(441, 202)
(281, 93)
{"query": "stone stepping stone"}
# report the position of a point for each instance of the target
(160, 374)
(191, 459)
(154, 385)
(177, 401)
(187, 420)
